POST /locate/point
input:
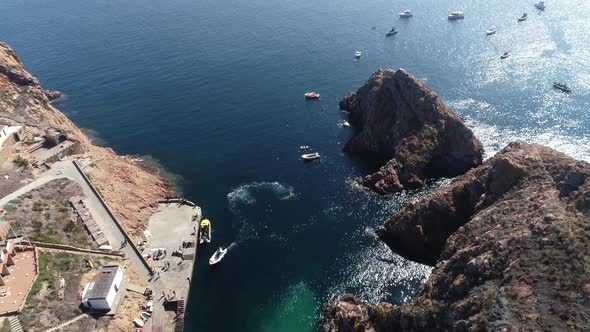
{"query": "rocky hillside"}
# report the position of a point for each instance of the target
(403, 124)
(511, 243)
(130, 189)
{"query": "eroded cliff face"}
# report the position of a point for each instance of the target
(399, 121)
(130, 190)
(511, 242)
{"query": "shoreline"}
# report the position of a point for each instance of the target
(128, 188)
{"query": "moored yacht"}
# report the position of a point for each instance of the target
(357, 54)
(406, 13)
(456, 16)
(312, 95)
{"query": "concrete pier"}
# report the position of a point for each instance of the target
(173, 228)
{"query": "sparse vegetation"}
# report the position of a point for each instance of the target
(45, 215)
(20, 162)
(44, 308)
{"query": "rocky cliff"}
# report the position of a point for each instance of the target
(511, 242)
(399, 121)
(130, 189)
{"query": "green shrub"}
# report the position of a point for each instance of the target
(21, 162)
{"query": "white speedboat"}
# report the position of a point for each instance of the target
(504, 55)
(357, 54)
(311, 156)
(491, 31)
(523, 17)
(312, 95)
(540, 5)
(456, 16)
(406, 13)
(217, 256)
(392, 32)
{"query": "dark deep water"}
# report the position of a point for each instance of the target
(214, 91)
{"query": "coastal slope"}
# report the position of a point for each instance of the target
(401, 123)
(130, 189)
(511, 244)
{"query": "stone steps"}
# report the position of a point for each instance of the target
(15, 324)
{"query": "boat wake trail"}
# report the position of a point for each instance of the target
(232, 245)
(248, 214)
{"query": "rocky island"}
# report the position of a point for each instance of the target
(509, 240)
(403, 124)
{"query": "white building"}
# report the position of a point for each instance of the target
(100, 293)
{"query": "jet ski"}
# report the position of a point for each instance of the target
(217, 256)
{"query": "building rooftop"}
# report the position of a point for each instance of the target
(18, 283)
(100, 288)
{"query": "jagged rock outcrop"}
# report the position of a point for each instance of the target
(130, 189)
(511, 241)
(399, 121)
(53, 95)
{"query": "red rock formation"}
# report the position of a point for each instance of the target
(400, 121)
(511, 241)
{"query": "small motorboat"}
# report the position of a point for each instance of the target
(523, 17)
(311, 156)
(217, 256)
(357, 54)
(392, 32)
(456, 16)
(562, 87)
(504, 55)
(205, 233)
(343, 124)
(312, 95)
(540, 5)
(491, 31)
(304, 148)
(406, 14)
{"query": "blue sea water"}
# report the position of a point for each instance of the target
(214, 91)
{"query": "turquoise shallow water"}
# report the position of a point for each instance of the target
(214, 91)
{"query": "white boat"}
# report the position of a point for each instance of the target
(504, 55)
(456, 16)
(304, 148)
(217, 256)
(406, 13)
(311, 156)
(523, 17)
(357, 54)
(205, 233)
(491, 31)
(312, 95)
(138, 322)
(540, 5)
